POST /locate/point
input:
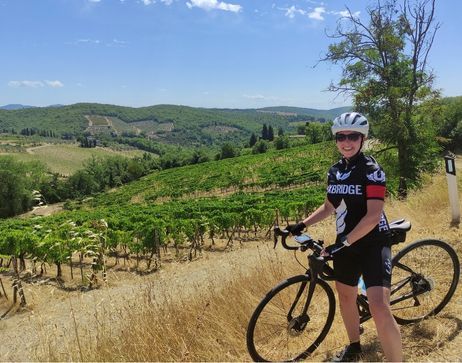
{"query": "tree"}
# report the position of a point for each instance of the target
(385, 70)
(253, 140)
(17, 181)
(260, 147)
(228, 151)
(451, 126)
(318, 132)
(281, 142)
(270, 133)
(264, 132)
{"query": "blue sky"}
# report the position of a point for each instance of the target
(204, 53)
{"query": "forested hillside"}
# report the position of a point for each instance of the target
(165, 123)
(311, 112)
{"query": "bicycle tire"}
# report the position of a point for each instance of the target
(270, 335)
(435, 274)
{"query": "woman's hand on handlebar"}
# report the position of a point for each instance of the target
(334, 248)
(296, 229)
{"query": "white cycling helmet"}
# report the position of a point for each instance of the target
(351, 121)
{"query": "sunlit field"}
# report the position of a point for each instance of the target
(65, 159)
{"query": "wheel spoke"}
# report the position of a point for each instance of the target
(272, 337)
(427, 273)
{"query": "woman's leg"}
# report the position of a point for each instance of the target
(387, 328)
(350, 315)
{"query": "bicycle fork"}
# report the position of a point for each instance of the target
(299, 323)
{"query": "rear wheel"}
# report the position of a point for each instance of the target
(277, 333)
(427, 272)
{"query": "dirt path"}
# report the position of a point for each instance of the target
(90, 122)
(31, 150)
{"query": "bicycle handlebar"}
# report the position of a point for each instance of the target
(304, 240)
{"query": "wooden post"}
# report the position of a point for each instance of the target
(450, 161)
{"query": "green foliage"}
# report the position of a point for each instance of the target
(253, 139)
(318, 132)
(228, 151)
(260, 147)
(281, 142)
(306, 113)
(18, 180)
(384, 67)
(450, 124)
(154, 128)
(177, 206)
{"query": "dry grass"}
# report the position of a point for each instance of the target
(201, 314)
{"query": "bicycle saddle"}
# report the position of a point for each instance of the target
(400, 225)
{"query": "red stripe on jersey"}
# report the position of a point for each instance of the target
(375, 192)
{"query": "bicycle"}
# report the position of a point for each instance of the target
(296, 315)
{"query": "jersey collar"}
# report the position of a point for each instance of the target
(349, 163)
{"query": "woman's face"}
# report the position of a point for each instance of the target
(348, 143)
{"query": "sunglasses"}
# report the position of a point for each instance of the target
(352, 137)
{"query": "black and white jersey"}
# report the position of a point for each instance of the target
(350, 185)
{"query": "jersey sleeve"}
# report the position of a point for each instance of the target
(375, 184)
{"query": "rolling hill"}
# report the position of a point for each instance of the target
(171, 124)
(299, 111)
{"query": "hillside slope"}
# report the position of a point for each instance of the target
(165, 123)
(198, 311)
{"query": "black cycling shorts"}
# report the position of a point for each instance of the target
(372, 259)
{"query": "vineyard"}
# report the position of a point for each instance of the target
(174, 210)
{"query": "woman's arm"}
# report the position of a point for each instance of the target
(368, 222)
(324, 211)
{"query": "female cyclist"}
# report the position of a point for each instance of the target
(356, 192)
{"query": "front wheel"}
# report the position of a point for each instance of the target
(279, 330)
(424, 277)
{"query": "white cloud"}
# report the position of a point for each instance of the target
(214, 4)
(35, 84)
(149, 2)
(345, 13)
(292, 11)
(29, 84)
(117, 43)
(55, 84)
(317, 13)
(88, 41)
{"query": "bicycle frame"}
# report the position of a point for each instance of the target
(363, 304)
(318, 268)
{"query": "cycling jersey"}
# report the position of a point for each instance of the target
(350, 185)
